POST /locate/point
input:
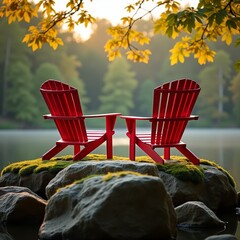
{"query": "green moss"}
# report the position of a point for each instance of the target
(27, 170)
(16, 167)
(111, 175)
(106, 177)
(85, 178)
(101, 157)
(64, 158)
(144, 159)
(184, 172)
(53, 166)
(79, 181)
(28, 167)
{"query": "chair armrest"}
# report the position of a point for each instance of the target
(49, 116)
(110, 119)
(191, 117)
(194, 117)
(130, 119)
(131, 122)
(136, 118)
(101, 115)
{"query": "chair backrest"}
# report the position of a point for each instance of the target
(173, 101)
(63, 102)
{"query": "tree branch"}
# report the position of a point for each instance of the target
(65, 14)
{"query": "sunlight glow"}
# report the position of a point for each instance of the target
(112, 10)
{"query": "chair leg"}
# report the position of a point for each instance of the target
(109, 148)
(131, 126)
(53, 151)
(150, 152)
(132, 149)
(76, 149)
(89, 148)
(110, 122)
(167, 153)
(187, 153)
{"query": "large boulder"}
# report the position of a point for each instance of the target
(222, 237)
(9, 179)
(83, 169)
(20, 205)
(36, 182)
(196, 214)
(121, 206)
(215, 191)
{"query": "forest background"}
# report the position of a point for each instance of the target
(118, 86)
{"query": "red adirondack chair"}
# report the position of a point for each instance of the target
(65, 109)
(172, 106)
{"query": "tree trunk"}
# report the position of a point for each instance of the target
(5, 83)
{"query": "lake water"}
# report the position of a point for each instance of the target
(219, 145)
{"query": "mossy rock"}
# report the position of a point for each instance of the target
(184, 172)
(213, 164)
(180, 167)
(28, 167)
(183, 169)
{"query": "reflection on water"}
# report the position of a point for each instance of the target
(19, 232)
(219, 145)
(30, 232)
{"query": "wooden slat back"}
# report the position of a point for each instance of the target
(63, 100)
(172, 101)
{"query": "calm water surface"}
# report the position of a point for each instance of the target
(219, 145)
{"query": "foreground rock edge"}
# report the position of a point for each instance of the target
(103, 163)
(115, 207)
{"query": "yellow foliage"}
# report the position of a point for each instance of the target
(208, 21)
(113, 49)
(125, 20)
(204, 57)
(27, 16)
(129, 8)
(180, 51)
(203, 54)
(160, 25)
(187, 46)
(71, 25)
(175, 34)
(139, 56)
(227, 37)
(175, 6)
(11, 19)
